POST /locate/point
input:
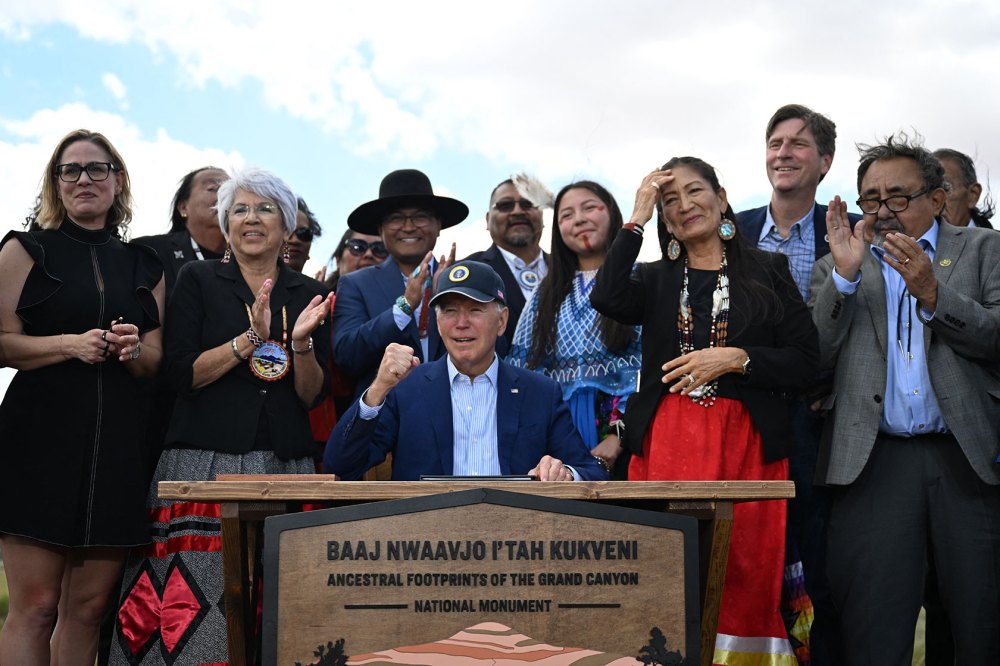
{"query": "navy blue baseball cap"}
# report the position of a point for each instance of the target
(473, 279)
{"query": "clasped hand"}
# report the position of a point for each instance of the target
(697, 368)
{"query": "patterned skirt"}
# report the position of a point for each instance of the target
(688, 442)
(171, 609)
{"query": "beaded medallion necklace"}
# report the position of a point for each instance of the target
(705, 395)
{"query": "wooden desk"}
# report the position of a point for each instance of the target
(247, 500)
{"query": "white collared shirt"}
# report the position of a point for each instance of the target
(518, 267)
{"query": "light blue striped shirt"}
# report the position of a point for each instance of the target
(911, 406)
(474, 421)
(799, 247)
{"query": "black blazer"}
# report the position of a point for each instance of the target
(174, 250)
(784, 351)
(208, 308)
(515, 297)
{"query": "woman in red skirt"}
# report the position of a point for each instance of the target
(725, 337)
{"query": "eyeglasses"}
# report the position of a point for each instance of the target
(420, 219)
(896, 203)
(507, 205)
(304, 234)
(96, 171)
(358, 247)
(262, 209)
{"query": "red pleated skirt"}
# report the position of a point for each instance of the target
(688, 442)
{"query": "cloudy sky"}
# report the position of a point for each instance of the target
(332, 96)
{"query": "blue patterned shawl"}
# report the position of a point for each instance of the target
(580, 359)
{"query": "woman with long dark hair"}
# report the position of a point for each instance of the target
(595, 359)
(725, 335)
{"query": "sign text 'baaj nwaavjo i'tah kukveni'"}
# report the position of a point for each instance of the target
(480, 572)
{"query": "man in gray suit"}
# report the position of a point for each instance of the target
(908, 313)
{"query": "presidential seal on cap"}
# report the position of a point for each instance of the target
(473, 279)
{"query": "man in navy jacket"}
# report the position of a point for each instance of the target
(800, 148)
(466, 413)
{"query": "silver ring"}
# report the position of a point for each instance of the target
(835, 228)
(655, 185)
(690, 379)
(905, 261)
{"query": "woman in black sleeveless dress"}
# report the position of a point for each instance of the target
(80, 314)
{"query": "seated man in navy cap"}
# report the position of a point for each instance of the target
(466, 413)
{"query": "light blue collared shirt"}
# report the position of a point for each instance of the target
(473, 422)
(911, 406)
(799, 247)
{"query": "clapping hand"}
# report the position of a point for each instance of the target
(260, 311)
(847, 247)
(310, 319)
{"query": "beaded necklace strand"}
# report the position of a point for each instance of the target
(705, 395)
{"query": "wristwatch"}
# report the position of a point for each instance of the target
(746, 366)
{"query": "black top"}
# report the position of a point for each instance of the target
(174, 250)
(72, 472)
(238, 412)
(783, 349)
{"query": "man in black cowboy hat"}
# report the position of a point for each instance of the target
(467, 413)
(388, 303)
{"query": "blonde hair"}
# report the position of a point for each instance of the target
(50, 211)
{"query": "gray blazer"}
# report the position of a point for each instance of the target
(962, 343)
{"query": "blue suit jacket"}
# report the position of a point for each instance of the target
(363, 325)
(415, 425)
(750, 222)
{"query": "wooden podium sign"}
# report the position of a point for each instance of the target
(481, 574)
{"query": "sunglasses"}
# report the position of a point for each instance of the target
(358, 247)
(304, 234)
(507, 205)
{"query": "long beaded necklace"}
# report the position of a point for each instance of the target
(705, 394)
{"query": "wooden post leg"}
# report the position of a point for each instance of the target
(721, 529)
(235, 573)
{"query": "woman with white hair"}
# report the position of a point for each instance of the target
(246, 349)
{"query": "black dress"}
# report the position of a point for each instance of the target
(71, 451)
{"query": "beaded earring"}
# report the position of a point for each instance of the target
(727, 230)
(284, 252)
(673, 250)
(227, 255)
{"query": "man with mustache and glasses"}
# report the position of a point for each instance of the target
(388, 303)
(908, 313)
(515, 225)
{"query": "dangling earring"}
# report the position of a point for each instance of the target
(673, 250)
(727, 230)
(227, 255)
(284, 252)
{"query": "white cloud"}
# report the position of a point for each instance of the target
(115, 86)
(582, 88)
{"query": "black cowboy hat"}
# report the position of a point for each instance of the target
(405, 188)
